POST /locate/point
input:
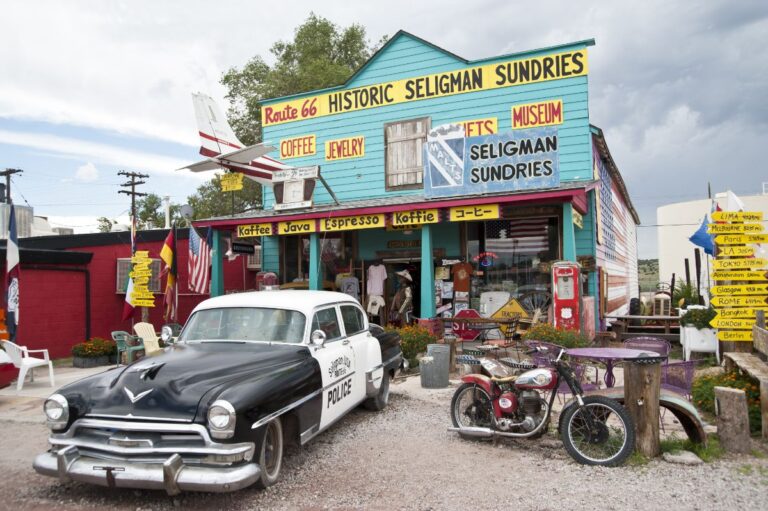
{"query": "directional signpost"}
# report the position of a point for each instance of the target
(741, 279)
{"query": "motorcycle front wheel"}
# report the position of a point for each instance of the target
(471, 407)
(599, 433)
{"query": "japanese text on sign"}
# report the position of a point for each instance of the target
(554, 66)
(231, 182)
(296, 227)
(141, 273)
(346, 223)
(465, 213)
(252, 230)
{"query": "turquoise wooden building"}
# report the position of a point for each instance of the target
(424, 160)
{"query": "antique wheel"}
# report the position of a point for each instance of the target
(601, 432)
(271, 454)
(380, 400)
(537, 301)
(471, 407)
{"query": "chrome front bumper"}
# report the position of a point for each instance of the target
(120, 454)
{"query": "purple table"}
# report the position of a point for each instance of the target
(609, 356)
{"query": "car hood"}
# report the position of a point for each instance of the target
(172, 384)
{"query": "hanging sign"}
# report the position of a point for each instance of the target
(734, 228)
(737, 216)
(348, 223)
(544, 113)
(345, 148)
(415, 217)
(578, 219)
(253, 230)
(741, 289)
(739, 264)
(296, 227)
(739, 275)
(483, 212)
(735, 335)
(296, 174)
(141, 273)
(735, 251)
(740, 239)
(297, 147)
(539, 68)
(231, 182)
(739, 301)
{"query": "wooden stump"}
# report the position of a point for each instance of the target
(764, 407)
(732, 419)
(642, 385)
(451, 342)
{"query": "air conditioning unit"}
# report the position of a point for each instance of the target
(254, 260)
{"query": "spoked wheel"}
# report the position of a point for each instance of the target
(271, 454)
(599, 433)
(536, 301)
(471, 407)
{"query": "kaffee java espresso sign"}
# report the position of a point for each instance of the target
(543, 68)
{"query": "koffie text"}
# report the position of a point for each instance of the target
(506, 171)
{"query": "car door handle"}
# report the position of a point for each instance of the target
(345, 341)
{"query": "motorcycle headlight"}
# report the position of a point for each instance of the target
(221, 419)
(56, 411)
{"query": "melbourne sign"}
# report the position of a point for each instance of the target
(518, 160)
(554, 66)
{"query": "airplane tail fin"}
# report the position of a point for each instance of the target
(216, 134)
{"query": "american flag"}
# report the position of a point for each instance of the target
(199, 263)
(517, 237)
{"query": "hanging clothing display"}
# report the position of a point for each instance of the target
(462, 274)
(351, 286)
(377, 274)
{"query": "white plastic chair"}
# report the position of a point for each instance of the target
(20, 358)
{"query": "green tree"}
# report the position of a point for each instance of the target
(209, 201)
(321, 55)
(150, 212)
(105, 224)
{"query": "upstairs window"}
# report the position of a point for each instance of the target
(404, 163)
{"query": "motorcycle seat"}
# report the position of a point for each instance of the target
(505, 379)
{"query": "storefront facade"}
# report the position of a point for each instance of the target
(475, 175)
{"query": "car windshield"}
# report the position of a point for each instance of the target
(245, 324)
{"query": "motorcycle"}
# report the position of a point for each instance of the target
(595, 430)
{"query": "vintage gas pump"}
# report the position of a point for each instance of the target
(566, 295)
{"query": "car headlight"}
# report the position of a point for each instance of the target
(166, 334)
(221, 419)
(56, 411)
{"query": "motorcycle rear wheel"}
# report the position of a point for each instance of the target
(609, 442)
(471, 407)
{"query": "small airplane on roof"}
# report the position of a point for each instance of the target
(222, 148)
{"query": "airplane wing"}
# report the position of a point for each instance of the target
(202, 166)
(247, 154)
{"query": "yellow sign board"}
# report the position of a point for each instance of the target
(297, 147)
(739, 264)
(543, 113)
(737, 216)
(739, 275)
(140, 274)
(483, 212)
(740, 239)
(510, 309)
(735, 251)
(734, 228)
(253, 230)
(477, 127)
(345, 148)
(746, 312)
(231, 182)
(739, 301)
(348, 223)
(734, 335)
(297, 227)
(540, 68)
(415, 217)
(733, 323)
(578, 219)
(741, 289)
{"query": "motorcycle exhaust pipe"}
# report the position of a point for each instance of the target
(490, 433)
(474, 432)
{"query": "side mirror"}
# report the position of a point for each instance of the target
(317, 338)
(169, 332)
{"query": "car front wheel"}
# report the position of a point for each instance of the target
(271, 454)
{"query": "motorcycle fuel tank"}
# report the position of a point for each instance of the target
(539, 379)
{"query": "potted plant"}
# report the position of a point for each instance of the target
(696, 334)
(545, 332)
(94, 352)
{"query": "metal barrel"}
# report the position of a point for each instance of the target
(434, 367)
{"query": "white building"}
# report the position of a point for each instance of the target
(677, 222)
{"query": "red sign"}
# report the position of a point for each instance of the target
(463, 329)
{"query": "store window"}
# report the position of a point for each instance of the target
(513, 256)
(404, 157)
(336, 254)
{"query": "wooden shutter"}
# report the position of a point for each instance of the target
(404, 160)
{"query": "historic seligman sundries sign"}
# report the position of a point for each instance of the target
(518, 160)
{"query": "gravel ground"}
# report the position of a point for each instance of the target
(403, 458)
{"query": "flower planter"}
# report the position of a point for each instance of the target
(702, 340)
(84, 362)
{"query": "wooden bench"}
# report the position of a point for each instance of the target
(754, 365)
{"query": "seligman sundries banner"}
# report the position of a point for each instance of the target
(523, 159)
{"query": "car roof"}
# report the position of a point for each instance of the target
(298, 300)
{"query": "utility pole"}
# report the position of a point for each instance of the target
(8, 173)
(135, 180)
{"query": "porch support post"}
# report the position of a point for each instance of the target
(315, 279)
(217, 265)
(569, 235)
(427, 274)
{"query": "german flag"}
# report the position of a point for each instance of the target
(168, 255)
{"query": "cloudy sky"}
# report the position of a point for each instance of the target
(88, 88)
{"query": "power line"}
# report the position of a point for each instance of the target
(135, 180)
(22, 195)
(8, 173)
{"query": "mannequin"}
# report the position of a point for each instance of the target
(402, 305)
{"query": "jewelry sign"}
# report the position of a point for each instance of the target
(523, 159)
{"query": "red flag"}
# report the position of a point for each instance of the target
(168, 255)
